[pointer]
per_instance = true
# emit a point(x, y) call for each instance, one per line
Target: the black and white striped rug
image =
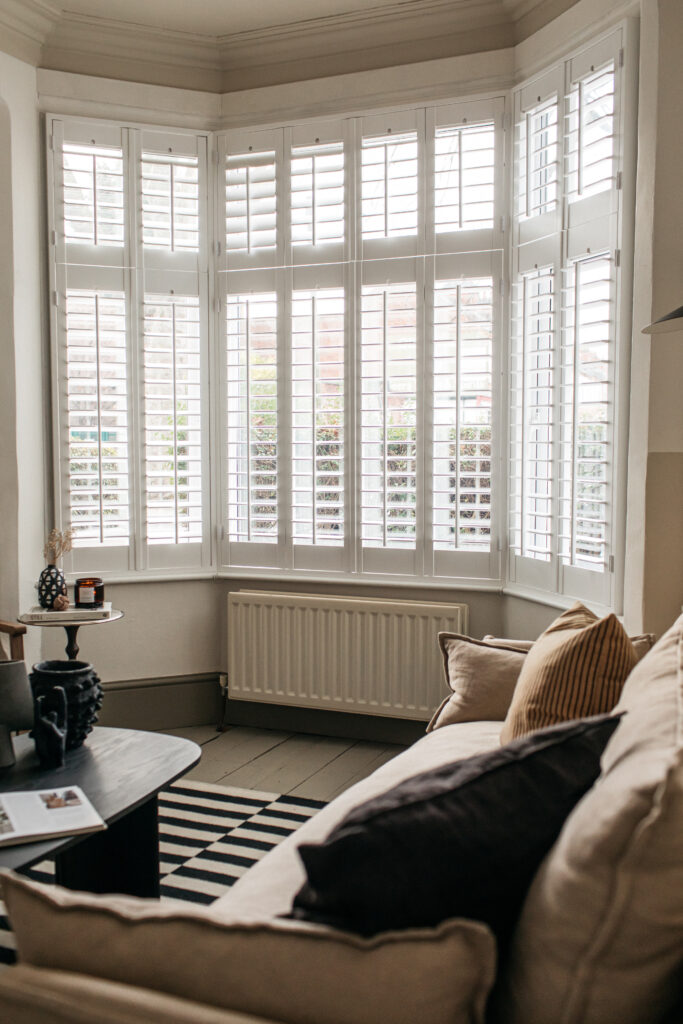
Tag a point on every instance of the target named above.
point(209, 836)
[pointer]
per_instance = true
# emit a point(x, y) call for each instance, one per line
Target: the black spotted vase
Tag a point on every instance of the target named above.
point(51, 584)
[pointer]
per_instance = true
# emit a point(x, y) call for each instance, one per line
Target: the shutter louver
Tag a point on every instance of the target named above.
point(251, 202)
point(389, 179)
point(464, 177)
point(172, 404)
point(537, 159)
point(170, 202)
point(587, 378)
point(317, 194)
point(252, 395)
point(463, 352)
point(389, 416)
point(318, 416)
point(97, 417)
point(93, 194)
point(590, 144)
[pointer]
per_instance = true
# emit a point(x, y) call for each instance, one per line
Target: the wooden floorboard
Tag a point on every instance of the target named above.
point(316, 767)
point(287, 765)
point(356, 762)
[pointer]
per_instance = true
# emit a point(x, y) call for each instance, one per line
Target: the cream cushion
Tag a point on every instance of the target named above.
point(600, 937)
point(281, 970)
point(576, 668)
point(482, 677)
point(642, 643)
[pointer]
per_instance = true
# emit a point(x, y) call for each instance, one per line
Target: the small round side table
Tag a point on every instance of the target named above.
point(73, 627)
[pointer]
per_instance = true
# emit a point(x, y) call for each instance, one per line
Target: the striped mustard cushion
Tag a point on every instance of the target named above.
point(576, 668)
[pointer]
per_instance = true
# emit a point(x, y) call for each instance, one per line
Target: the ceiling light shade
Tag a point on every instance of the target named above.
point(670, 322)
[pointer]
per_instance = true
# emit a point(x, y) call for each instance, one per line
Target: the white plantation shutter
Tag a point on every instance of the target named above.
point(587, 414)
point(96, 418)
point(317, 197)
point(252, 421)
point(462, 402)
point(591, 143)
point(172, 420)
point(170, 201)
point(389, 421)
point(93, 194)
point(389, 182)
point(533, 370)
point(253, 199)
point(539, 159)
point(464, 174)
point(318, 415)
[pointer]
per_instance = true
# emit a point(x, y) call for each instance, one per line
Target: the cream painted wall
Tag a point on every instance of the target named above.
point(24, 345)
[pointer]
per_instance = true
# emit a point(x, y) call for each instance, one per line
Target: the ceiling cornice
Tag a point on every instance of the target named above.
point(24, 26)
point(47, 34)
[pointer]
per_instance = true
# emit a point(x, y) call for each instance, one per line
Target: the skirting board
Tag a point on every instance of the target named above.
point(179, 701)
point(167, 703)
point(373, 728)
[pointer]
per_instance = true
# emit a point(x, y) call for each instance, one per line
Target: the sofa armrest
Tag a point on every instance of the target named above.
point(35, 995)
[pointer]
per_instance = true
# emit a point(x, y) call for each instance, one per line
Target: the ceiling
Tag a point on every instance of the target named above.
point(227, 45)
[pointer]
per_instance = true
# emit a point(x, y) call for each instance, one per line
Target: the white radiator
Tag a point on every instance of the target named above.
point(346, 654)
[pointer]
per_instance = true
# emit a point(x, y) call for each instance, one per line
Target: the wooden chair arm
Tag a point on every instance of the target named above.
point(15, 631)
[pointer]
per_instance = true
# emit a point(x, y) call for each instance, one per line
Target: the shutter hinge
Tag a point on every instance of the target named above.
point(502, 224)
point(619, 179)
point(217, 305)
point(51, 141)
point(611, 563)
point(621, 57)
point(218, 249)
point(507, 121)
point(617, 257)
point(55, 298)
point(53, 237)
point(501, 286)
point(216, 156)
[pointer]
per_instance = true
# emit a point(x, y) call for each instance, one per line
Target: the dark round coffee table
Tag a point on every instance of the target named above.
point(121, 771)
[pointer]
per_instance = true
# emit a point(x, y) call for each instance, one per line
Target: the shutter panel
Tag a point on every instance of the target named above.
point(389, 424)
point(254, 199)
point(97, 417)
point(318, 414)
point(464, 177)
point(252, 423)
point(172, 420)
point(587, 414)
point(462, 402)
point(93, 194)
point(590, 138)
point(538, 159)
point(170, 202)
point(317, 194)
point(389, 182)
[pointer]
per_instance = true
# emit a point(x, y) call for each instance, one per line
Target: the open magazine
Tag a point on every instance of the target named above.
point(46, 814)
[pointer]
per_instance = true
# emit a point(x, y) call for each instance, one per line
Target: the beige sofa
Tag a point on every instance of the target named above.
point(600, 938)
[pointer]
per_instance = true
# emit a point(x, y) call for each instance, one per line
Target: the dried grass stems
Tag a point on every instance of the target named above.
point(56, 545)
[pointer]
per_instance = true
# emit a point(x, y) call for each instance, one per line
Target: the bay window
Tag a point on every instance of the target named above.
point(308, 348)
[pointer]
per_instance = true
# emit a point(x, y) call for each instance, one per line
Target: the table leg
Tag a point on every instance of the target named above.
point(72, 647)
point(123, 859)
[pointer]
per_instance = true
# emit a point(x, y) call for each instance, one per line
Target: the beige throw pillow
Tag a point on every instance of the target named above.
point(283, 970)
point(576, 668)
point(482, 677)
point(600, 938)
point(642, 643)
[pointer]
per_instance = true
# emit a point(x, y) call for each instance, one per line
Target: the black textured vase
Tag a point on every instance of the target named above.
point(83, 695)
point(51, 584)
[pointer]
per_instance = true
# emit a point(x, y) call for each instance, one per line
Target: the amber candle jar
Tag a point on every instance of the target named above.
point(89, 592)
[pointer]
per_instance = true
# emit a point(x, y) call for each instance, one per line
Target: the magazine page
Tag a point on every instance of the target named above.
point(43, 813)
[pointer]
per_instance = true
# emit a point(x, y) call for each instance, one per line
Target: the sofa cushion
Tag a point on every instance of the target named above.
point(35, 995)
point(601, 933)
point(268, 888)
point(642, 643)
point(577, 667)
point(482, 677)
point(462, 840)
point(281, 970)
